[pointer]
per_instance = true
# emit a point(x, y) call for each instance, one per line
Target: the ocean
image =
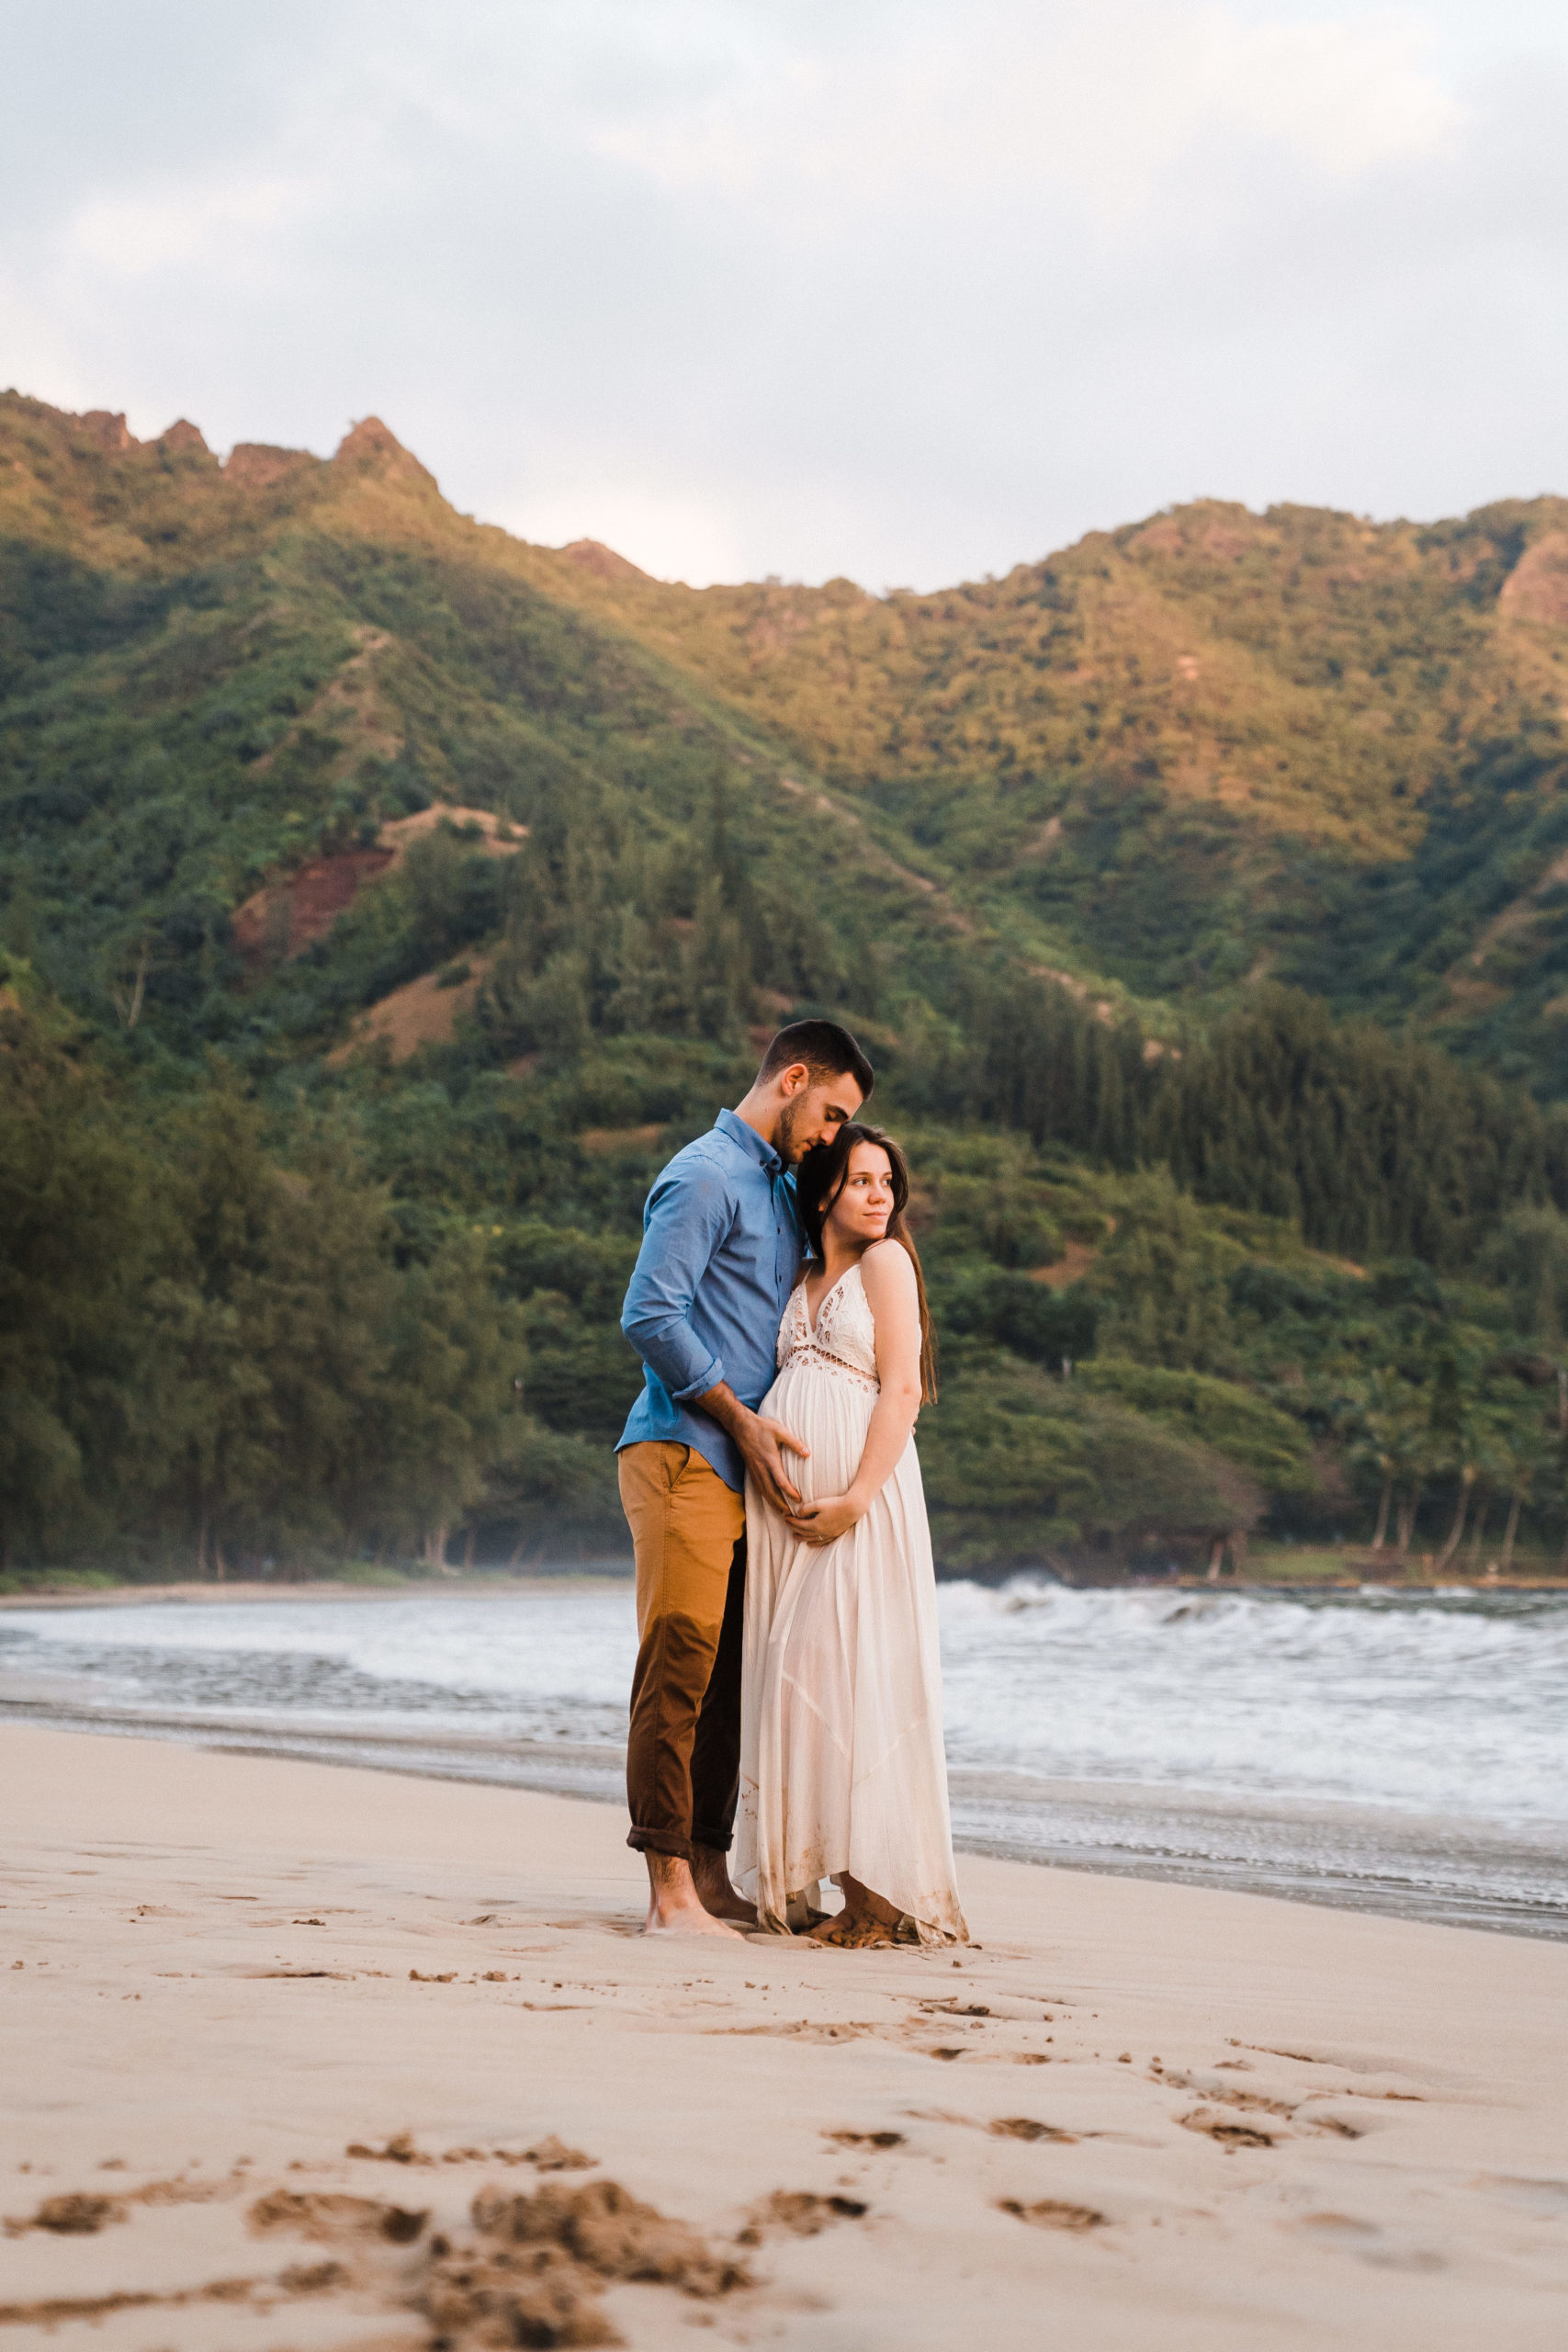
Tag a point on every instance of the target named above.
point(1391, 1752)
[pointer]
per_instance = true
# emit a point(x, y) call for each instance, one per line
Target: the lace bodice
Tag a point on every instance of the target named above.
point(842, 1341)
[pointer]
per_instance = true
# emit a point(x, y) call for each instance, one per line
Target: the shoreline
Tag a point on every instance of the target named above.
point(1189, 1837)
point(492, 1585)
point(279, 2027)
point(1309, 1840)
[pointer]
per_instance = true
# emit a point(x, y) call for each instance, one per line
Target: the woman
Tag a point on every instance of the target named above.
point(841, 1770)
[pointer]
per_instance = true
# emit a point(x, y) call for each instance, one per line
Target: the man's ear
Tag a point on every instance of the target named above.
point(793, 1080)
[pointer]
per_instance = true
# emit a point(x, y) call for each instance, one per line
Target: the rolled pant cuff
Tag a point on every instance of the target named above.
point(718, 1840)
point(660, 1842)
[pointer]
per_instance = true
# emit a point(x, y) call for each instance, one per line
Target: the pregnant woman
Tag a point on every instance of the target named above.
point(842, 1770)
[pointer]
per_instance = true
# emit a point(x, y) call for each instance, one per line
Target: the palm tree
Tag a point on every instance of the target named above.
point(1528, 1450)
point(1390, 1423)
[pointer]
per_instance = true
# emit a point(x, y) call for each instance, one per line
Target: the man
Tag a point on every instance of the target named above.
point(721, 1255)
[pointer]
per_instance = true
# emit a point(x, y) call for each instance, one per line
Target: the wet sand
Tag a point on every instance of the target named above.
point(1139, 2116)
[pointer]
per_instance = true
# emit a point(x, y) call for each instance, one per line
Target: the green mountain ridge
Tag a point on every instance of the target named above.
point(1174, 757)
point(1210, 745)
point(384, 898)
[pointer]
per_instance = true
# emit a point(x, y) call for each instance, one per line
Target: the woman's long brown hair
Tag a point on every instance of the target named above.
point(823, 1173)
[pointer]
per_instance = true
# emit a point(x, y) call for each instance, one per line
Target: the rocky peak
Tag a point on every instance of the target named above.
point(182, 436)
point(371, 447)
point(257, 465)
point(592, 554)
point(109, 431)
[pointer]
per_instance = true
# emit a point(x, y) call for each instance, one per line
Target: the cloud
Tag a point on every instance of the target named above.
point(1102, 96)
point(36, 353)
point(131, 236)
point(909, 289)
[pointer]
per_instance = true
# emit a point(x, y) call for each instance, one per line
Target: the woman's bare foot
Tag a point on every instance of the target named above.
point(674, 1907)
point(710, 1875)
point(860, 1934)
point(865, 1923)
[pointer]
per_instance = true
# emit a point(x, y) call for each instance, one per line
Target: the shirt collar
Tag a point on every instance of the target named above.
point(750, 1141)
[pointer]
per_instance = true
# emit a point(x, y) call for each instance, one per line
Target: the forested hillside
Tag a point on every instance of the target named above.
point(1204, 748)
point(384, 899)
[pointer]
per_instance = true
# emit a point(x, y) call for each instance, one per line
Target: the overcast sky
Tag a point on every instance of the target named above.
point(911, 289)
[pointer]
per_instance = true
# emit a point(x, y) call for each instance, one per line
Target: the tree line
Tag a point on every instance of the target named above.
point(1374, 1146)
point(214, 1347)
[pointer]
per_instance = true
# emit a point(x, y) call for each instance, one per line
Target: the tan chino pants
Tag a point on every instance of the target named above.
point(683, 1748)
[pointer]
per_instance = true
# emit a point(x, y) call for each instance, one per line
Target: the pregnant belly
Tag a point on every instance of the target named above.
point(830, 1415)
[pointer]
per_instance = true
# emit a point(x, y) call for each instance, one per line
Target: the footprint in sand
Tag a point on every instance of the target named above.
point(1052, 2213)
point(73, 2215)
point(534, 2266)
point(1302, 2112)
point(327, 2215)
point(1225, 2129)
point(551, 2155)
point(398, 2150)
point(800, 2211)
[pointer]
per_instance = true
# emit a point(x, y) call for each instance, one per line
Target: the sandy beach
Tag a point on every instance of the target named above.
point(301, 2057)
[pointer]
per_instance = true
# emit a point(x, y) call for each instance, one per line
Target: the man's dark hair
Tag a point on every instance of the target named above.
point(827, 1050)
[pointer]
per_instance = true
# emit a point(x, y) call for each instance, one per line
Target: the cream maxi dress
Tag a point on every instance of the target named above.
point(841, 1763)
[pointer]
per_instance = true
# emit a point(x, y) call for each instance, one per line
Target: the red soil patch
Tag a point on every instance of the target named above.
point(302, 908)
point(293, 910)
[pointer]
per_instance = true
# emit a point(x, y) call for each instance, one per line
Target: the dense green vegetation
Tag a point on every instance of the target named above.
point(1204, 747)
point(328, 1101)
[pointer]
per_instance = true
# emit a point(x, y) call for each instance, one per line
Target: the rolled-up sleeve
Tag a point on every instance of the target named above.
point(688, 1217)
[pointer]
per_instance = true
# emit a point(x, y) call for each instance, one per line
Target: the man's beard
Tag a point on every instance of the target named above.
point(792, 1118)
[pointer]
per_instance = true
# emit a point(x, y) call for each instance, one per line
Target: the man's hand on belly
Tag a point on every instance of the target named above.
point(761, 1442)
point(764, 1460)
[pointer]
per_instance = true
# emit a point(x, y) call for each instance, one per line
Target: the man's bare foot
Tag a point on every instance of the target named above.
point(710, 1875)
point(674, 1907)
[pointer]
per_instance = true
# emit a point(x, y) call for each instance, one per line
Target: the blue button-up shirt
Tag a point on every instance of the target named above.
point(721, 1252)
